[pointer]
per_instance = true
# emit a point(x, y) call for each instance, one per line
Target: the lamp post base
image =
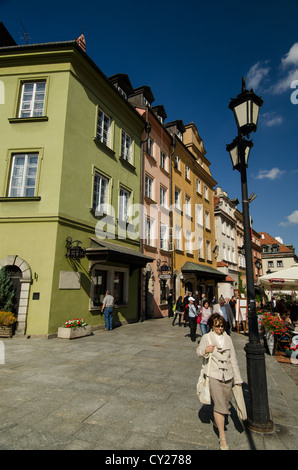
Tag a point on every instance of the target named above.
point(258, 413)
point(261, 428)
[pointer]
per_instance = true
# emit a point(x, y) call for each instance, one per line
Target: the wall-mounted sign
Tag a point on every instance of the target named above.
point(164, 276)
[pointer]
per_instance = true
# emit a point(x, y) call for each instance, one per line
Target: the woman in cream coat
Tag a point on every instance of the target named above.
point(224, 370)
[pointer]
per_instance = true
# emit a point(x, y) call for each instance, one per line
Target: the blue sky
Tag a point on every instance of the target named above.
point(193, 55)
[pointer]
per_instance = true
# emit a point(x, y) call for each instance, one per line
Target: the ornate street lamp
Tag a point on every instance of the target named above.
point(246, 111)
point(75, 252)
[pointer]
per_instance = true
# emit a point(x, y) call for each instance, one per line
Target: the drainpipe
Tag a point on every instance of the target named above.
point(171, 203)
point(147, 130)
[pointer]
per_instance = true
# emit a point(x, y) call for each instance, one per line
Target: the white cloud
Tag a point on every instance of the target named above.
point(284, 84)
point(289, 62)
point(270, 174)
point(256, 74)
point(271, 119)
point(292, 219)
point(291, 58)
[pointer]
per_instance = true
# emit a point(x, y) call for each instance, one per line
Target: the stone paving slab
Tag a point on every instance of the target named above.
point(132, 388)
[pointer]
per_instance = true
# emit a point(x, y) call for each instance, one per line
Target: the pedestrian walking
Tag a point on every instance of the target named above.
point(206, 314)
point(224, 371)
point(107, 309)
point(190, 315)
point(178, 311)
point(170, 305)
point(225, 310)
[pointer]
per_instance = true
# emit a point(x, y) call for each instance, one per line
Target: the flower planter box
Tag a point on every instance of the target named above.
point(71, 333)
point(6, 331)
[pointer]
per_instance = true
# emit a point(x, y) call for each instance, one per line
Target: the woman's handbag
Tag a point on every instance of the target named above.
point(240, 403)
point(203, 390)
point(199, 318)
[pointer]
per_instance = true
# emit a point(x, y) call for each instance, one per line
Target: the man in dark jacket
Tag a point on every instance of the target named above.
point(190, 315)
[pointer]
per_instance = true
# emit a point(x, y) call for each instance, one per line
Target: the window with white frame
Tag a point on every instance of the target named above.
point(100, 193)
point(148, 187)
point(178, 237)
point(200, 247)
point(176, 163)
point(149, 231)
point(164, 237)
point(32, 99)
point(199, 214)
point(163, 197)
point(279, 263)
point(207, 220)
point(103, 131)
point(126, 147)
point(187, 172)
point(124, 197)
point(206, 193)
point(187, 206)
point(198, 186)
point(188, 241)
point(23, 175)
point(177, 199)
point(208, 250)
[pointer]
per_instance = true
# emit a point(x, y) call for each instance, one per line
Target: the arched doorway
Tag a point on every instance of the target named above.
point(15, 275)
point(20, 273)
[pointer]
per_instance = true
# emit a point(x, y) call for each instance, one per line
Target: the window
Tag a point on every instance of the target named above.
point(149, 232)
point(178, 237)
point(100, 193)
point(115, 279)
point(163, 160)
point(99, 287)
point(149, 147)
point(187, 172)
point(187, 207)
point(163, 197)
point(126, 147)
point(206, 193)
point(188, 241)
point(200, 247)
point(119, 287)
point(176, 163)
point(164, 237)
point(270, 264)
point(198, 186)
point(148, 186)
point(199, 214)
point(123, 204)
point(103, 128)
point(208, 249)
point(177, 198)
point(32, 99)
point(23, 175)
point(279, 264)
point(207, 220)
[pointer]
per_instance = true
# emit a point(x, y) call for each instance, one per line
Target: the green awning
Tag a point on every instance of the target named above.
point(202, 271)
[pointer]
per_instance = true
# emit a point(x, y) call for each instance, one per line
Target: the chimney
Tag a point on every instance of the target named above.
point(81, 42)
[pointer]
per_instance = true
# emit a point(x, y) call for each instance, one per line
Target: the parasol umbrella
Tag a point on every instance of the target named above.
point(285, 279)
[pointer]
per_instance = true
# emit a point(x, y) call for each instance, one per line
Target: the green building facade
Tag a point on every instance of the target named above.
point(70, 165)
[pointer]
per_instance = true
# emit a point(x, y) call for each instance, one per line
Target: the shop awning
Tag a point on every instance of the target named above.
point(105, 252)
point(202, 271)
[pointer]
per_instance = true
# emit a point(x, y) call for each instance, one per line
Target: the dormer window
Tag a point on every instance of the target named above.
point(179, 134)
point(122, 92)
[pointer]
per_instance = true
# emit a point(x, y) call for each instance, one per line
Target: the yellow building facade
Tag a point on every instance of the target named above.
point(193, 233)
